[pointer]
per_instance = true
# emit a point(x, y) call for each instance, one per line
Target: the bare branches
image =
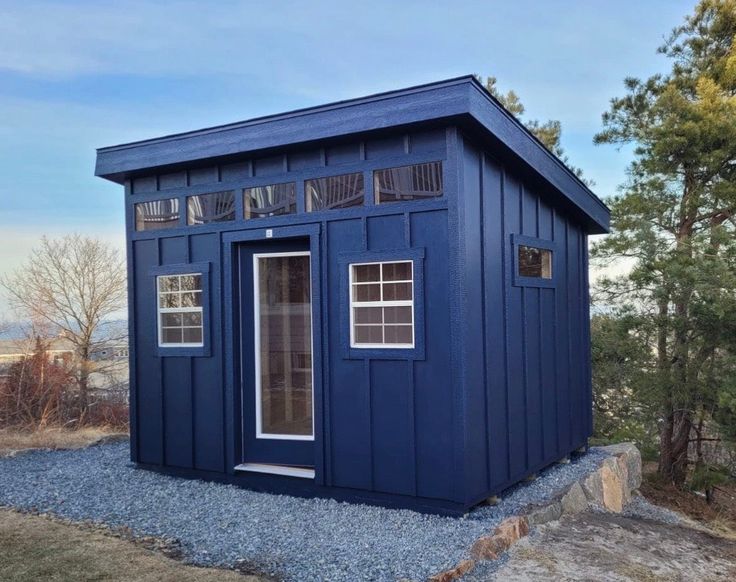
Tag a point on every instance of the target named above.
point(74, 284)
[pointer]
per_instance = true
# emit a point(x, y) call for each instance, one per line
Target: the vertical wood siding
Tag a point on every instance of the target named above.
point(535, 392)
point(503, 387)
point(387, 421)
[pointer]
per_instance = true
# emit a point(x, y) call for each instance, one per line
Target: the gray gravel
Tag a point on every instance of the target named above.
point(640, 508)
point(290, 538)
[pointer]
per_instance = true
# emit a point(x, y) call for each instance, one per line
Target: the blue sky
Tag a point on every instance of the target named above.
point(77, 75)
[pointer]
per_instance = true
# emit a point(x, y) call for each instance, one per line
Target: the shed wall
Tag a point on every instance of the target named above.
point(387, 421)
point(525, 367)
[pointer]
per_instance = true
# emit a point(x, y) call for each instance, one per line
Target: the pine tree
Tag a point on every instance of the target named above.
point(676, 220)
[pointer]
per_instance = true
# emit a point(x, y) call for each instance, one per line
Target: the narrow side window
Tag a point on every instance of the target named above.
point(535, 262)
point(382, 305)
point(180, 314)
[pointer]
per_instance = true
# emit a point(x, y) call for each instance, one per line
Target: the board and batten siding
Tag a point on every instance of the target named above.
point(388, 423)
point(523, 356)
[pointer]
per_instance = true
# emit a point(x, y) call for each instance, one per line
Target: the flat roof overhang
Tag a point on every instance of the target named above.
point(462, 100)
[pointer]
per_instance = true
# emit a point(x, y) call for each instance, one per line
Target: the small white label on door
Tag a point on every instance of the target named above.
point(269, 233)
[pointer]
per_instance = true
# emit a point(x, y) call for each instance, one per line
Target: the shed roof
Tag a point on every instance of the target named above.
point(463, 100)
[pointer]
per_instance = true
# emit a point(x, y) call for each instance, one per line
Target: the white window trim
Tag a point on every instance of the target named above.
point(161, 310)
point(257, 345)
point(402, 303)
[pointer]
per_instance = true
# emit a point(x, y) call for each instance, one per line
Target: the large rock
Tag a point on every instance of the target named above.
point(630, 457)
point(457, 572)
point(506, 534)
point(574, 500)
point(615, 490)
point(544, 513)
point(593, 487)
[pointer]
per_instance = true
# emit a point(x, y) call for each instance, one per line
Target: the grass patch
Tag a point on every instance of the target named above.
point(12, 441)
point(38, 548)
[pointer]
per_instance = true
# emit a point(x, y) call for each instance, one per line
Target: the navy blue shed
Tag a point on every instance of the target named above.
point(381, 300)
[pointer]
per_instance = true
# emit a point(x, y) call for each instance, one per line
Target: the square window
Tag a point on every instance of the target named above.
point(535, 262)
point(382, 305)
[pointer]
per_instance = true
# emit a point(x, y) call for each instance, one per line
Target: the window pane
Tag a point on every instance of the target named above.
point(418, 182)
point(270, 200)
point(215, 207)
point(284, 320)
point(192, 319)
point(191, 282)
point(535, 262)
point(398, 334)
point(397, 272)
point(370, 273)
point(397, 291)
point(334, 192)
point(192, 335)
point(397, 314)
point(368, 315)
point(192, 299)
point(171, 335)
point(366, 292)
point(170, 300)
point(368, 334)
point(168, 283)
point(157, 214)
point(170, 319)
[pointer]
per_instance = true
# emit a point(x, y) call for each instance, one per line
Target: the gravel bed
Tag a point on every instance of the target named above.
point(640, 508)
point(288, 537)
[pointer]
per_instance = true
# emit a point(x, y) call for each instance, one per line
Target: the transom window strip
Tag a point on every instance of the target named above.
point(180, 310)
point(382, 304)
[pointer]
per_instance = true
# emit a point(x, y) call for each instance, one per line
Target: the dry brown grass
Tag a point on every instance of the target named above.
point(38, 548)
point(12, 441)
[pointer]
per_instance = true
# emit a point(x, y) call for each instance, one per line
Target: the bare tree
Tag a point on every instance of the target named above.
point(75, 284)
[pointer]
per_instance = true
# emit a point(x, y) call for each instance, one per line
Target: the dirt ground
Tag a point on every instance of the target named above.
point(13, 441)
point(38, 548)
point(607, 547)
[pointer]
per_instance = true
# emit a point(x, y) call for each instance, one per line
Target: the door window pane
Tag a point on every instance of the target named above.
point(284, 323)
